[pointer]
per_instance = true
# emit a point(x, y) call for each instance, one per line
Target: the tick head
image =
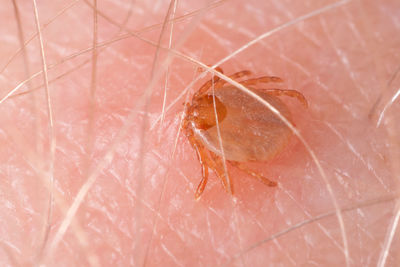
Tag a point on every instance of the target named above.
point(204, 113)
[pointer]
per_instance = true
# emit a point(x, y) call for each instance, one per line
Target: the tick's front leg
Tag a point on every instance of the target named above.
point(203, 158)
point(204, 162)
point(291, 93)
point(203, 182)
point(234, 76)
point(264, 79)
point(222, 173)
point(253, 174)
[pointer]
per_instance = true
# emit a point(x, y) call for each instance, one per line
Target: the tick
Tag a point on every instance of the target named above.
point(247, 129)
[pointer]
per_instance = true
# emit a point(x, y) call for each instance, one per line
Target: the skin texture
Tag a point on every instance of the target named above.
point(123, 184)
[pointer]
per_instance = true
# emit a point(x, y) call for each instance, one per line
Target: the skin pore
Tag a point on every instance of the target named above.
point(91, 138)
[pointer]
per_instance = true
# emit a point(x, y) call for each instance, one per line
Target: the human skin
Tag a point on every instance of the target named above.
point(132, 180)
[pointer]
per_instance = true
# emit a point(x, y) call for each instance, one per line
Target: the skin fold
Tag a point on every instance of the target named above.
point(123, 182)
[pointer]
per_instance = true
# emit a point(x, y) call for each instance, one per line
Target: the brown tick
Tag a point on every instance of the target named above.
point(248, 130)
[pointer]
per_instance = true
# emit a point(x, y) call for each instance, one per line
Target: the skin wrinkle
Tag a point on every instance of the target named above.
point(292, 261)
point(159, 216)
point(32, 161)
point(316, 218)
point(181, 173)
point(256, 205)
point(169, 253)
point(28, 40)
point(323, 229)
point(342, 56)
point(357, 155)
point(336, 97)
point(290, 16)
point(377, 112)
point(131, 34)
point(343, 59)
point(92, 177)
point(116, 39)
point(92, 258)
point(309, 74)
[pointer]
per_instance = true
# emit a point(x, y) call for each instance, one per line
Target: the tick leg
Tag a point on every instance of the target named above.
point(264, 79)
point(205, 162)
point(219, 69)
point(218, 83)
point(259, 177)
point(291, 93)
point(205, 87)
point(202, 156)
point(221, 173)
point(239, 74)
point(234, 76)
point(216, 164)
point(203, 182)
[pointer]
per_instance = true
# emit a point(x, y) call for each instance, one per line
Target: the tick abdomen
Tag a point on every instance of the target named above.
point(250, 131)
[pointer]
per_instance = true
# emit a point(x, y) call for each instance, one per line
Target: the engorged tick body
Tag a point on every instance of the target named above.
point(248, 130)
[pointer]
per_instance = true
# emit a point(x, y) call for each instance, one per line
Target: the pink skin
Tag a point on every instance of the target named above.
point(140, 209)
